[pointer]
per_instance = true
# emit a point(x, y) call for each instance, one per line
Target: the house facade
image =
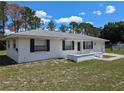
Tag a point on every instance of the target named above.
point(38, 45)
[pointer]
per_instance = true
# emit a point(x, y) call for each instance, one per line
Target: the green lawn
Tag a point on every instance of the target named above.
point(61, 74)
point(2, 53)
point(4, 60)
point(106, 56)
point(115, 51)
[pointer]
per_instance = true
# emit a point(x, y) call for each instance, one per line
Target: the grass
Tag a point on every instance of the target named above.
point(4, 60)
point(2, 53)
point(61, 74)
point(115, 51)
point(106, 56)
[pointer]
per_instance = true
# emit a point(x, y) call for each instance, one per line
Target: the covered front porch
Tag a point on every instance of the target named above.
point(84, 49)
point(84, 57)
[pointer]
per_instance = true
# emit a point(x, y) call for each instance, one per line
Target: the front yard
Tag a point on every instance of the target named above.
point(108, 50)
point(61, 74)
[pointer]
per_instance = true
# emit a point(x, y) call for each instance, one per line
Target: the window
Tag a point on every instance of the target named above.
point(39, 45)
point(68, 45)
point(14, 43)
point(88, 45)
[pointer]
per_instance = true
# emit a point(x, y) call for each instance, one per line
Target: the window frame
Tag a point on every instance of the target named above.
point(86, 46)
point(40, 46)
point(68, 47)
point(34, 46)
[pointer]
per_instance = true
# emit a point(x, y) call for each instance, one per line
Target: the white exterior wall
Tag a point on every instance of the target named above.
point(98, 46)
point(81, 57)
point(11, 52)
point(56, 51)
point(64, 53)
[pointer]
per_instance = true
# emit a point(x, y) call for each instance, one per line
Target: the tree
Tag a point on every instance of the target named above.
point(14, 12)
point(35, 22)
point(73, 26)
point(51, 26)
point(19, 17)
point(82, 27)
point(113, 31)
point(3, 16)
point(22, 17)
point(96, 32)
point(30, 20)
point(87, 28)
point(26, 15)
point(63, 28)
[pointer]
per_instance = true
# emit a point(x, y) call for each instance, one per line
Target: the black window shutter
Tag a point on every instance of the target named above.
point(63, 44)
point(32, 45)
point(78, 46)
point(83, 45)
point(48, 45)
point(92, 45)
point(72, 45)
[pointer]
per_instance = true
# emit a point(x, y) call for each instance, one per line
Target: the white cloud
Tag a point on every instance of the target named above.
point(82, 13)
point(56, 29)
point(45, 18)
point(97, 12)
point(89, 22)
point(70, 19)
point(110, 9)
point(40, 13)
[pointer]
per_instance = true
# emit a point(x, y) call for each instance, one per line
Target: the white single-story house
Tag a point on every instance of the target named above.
point(38, 45)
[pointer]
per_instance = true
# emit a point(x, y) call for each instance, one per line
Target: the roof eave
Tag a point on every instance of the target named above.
point(33, 36)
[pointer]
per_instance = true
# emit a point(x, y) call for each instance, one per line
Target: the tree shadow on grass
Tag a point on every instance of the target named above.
point(4, 61)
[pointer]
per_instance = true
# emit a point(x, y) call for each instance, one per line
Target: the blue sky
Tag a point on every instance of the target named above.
point(62, 12)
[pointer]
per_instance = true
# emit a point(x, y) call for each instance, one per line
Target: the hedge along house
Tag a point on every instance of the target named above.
point(38, 45)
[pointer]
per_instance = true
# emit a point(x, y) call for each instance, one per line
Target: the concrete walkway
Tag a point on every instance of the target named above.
point(114, 57)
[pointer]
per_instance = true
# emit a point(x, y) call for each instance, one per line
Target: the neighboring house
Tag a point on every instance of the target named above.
point(38, 45)
point(118, 46)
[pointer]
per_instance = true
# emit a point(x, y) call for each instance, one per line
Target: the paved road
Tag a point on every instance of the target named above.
point(114, 57)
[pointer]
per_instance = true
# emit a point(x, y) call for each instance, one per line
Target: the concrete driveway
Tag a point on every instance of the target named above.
point(114, 57)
